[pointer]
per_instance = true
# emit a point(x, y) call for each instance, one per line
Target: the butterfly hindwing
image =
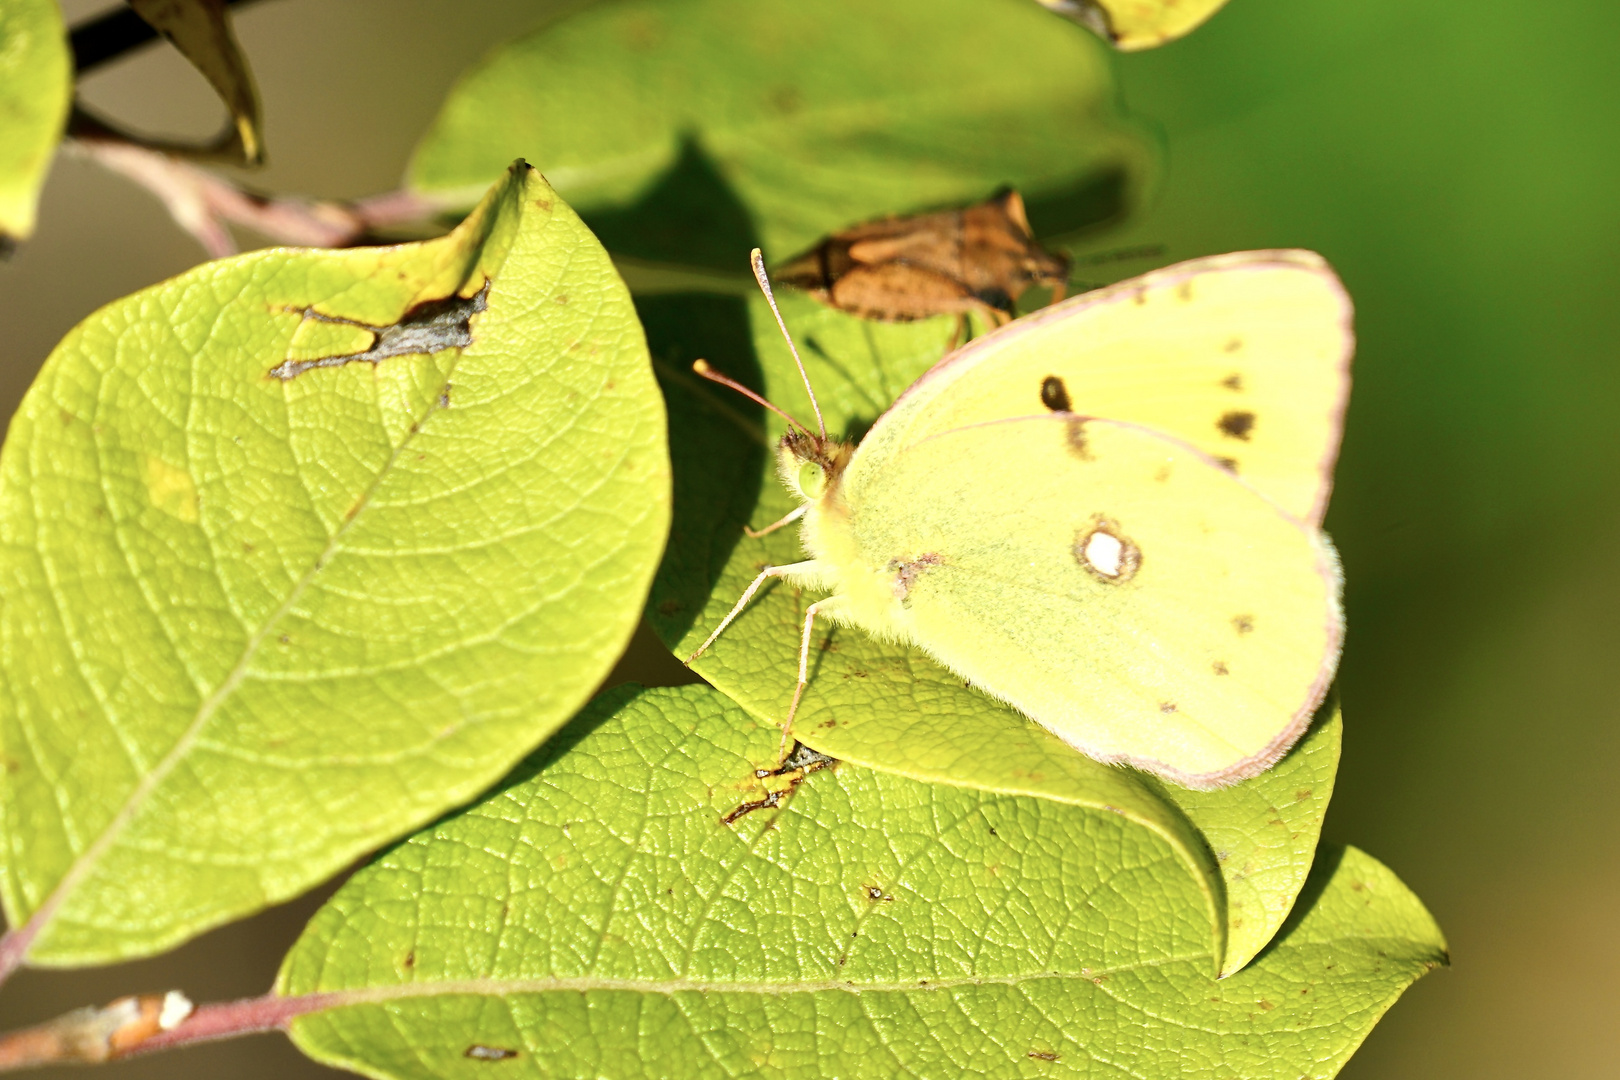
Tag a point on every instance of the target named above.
point(1113, 584)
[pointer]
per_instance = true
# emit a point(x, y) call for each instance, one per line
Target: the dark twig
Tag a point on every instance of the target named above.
point(112, 34)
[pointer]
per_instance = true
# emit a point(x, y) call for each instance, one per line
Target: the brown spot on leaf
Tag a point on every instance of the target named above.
point(1043, 1055)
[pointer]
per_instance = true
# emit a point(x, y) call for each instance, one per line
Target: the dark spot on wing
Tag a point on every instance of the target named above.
point(480, 1052)
point(1054, 395)
point(1220, 668)
point(1076, 437)
point(1236, 425)
point(1233, 381)
point(1141, 296)
point(1167, 706)
point(1184, 291)
point(1243, 624)
point(429, 327)
point(1233, 345)
point(1228, 463)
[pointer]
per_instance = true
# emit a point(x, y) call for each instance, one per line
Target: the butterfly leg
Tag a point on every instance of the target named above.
point(773, 526)
point(748, 594)
point(810, 614)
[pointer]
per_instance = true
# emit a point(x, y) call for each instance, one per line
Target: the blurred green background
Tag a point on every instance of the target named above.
point(1459, 163)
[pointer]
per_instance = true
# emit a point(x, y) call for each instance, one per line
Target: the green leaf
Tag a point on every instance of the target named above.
point(597, 918)
point(256, 626)
point(36, 84)
point(887, 706)
point(814, 116)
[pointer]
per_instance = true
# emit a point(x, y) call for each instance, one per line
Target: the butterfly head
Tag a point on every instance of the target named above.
point(809, 465)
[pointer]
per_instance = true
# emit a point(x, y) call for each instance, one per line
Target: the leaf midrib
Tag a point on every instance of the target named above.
point(498, 987)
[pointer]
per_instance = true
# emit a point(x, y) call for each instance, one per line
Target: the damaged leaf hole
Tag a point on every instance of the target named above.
point(429, 327)
point(480, 1052)
point(800, 762)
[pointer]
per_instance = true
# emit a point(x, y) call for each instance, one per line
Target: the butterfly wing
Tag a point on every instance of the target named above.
point(1138, 24)
point(1245, 356)
point(1113, 584)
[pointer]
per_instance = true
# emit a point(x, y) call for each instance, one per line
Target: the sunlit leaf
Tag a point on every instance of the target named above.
point(36, 83)
point(267, 608)
point(813, 116)
point(598, 918)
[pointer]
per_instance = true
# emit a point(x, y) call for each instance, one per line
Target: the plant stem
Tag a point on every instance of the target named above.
point(203, 203)
point(144, 1024)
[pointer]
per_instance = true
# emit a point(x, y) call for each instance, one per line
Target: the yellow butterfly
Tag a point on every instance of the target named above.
point(1105, 514)
point(1138, 24)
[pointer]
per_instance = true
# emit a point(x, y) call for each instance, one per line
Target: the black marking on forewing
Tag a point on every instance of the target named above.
point(1238, 424)
point(1054, 395)
point(429, 327)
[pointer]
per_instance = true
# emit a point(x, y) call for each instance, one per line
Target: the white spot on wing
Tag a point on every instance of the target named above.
point(1106, 553)
point(1103, 552)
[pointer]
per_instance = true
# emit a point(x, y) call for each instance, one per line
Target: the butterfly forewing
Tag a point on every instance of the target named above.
point(1245, 356)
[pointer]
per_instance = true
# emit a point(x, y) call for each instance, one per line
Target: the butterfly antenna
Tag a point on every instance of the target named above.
point(758, 261)
point(702, 368)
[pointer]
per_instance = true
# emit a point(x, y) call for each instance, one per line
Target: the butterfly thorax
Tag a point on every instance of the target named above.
point(812, 468)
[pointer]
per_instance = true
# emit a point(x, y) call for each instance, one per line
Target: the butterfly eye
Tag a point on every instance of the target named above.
point(812, 480)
